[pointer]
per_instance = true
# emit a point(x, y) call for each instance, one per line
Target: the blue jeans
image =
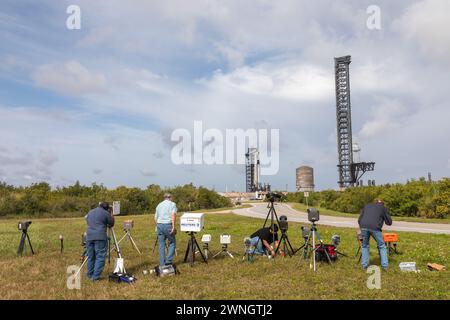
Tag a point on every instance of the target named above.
point(365, 249)
point(257, 243)
point(163, 230)
point(96, 252)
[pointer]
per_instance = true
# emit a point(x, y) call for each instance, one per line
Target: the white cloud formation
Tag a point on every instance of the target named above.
point(296, 81)
point(69, 78)
point(427, 23)
point(133, 80)
point(386, 117)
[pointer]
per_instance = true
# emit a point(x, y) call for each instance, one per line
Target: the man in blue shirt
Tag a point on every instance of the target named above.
point(165, 217)
point(98, 220)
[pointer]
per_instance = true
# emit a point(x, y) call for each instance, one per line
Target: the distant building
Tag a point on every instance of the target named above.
point(304, 178)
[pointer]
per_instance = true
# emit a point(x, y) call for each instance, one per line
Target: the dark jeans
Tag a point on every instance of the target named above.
point(96, 251)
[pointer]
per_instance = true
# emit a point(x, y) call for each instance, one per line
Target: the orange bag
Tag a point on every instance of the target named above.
point(390, 237)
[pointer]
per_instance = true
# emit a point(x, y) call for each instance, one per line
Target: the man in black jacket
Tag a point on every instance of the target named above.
point(370, 221)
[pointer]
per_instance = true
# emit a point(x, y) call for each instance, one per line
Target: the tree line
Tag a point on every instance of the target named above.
point(415, 198)
point(39, 199)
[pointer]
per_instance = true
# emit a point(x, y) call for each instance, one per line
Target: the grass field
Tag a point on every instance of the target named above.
point(328, 212)
point(43, 276)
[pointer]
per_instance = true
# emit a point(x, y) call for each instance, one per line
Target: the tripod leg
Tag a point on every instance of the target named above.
point(133, 243)
point(290, 249)
point(81, 267)
point(22, 244)
point(192, 251)
point(301, 247)
point(126, 233)
point(201, 253)
point(187, 251)
point(29, 242)
point(357, 252)
point(307, 245)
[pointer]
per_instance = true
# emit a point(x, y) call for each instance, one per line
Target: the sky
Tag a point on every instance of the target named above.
point(99, 103)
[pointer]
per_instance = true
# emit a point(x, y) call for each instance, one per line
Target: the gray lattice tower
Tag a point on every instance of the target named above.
point(344, 121)
point(249, 171)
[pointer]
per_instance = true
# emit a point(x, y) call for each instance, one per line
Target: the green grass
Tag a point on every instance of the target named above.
point(43, 276)
point(328, 212)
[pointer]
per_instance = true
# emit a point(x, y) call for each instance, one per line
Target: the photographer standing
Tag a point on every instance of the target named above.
point(370, 221)
point(98, 220)
point(165, 217)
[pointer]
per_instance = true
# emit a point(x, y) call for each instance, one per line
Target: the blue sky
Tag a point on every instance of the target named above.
point(99, 104)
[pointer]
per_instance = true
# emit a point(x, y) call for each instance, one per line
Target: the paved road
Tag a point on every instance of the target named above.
point(260, 211)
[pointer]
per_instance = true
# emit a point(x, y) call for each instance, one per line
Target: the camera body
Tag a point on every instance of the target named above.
point(128, 225)
point(335, 240)
point(192, 222)
point(206, 238)
point(272, 196)
point(305, 232)
point(225, 239)
point(283, 223)
point(313, 214)
point(23, 225)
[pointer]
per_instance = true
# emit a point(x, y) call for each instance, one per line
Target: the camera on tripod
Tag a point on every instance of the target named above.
point(128, 225)
point(23, 225)
point(305, 232)
point(283, 223)
point(313, 214)
point(272, 196)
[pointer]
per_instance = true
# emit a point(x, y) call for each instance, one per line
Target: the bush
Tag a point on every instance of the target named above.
point(414, 198)
point(39, 199)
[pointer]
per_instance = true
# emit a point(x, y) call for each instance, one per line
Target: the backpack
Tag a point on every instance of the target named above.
point(323, 249)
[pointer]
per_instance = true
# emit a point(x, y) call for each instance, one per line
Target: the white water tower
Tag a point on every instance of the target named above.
point(356, 153)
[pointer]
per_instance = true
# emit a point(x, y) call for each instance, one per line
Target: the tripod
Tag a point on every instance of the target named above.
point(22, 243)
point(206, 250)
point(133, 243)
point(192, 248)
point(119, 268)
point(273, 214)
point(84, 256)
point(287, 247)
point(309, 248)
point(224, 251)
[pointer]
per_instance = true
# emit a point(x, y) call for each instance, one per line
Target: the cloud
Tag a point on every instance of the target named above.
point(69, 78)
point(426, 22)
point(291, 80)
point(386, 116)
